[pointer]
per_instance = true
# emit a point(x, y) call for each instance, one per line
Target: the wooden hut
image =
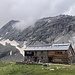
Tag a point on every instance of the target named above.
point(55, 53)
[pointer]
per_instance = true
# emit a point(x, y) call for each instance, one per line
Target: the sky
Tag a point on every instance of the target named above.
point(29, 11)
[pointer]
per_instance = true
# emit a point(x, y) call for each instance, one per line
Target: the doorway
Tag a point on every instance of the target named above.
point(50, 59)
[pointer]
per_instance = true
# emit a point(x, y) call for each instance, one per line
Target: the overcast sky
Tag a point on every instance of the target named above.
point(28, 11)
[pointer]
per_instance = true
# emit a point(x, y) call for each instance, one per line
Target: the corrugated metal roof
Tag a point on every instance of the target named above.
point(48, 47)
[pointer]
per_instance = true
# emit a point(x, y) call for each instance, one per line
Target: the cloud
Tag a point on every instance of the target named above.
point(29, 11)
point(71, 10)
point(20, 25)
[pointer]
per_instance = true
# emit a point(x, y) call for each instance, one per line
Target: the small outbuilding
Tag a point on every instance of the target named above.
point(55, 53)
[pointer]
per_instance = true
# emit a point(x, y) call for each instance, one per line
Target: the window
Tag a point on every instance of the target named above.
point(28, 52)
point(59, 52)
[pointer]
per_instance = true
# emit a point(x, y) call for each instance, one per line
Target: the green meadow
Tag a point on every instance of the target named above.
point(24, 69)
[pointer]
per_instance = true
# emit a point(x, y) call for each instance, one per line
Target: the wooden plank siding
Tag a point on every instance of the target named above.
point(58, 56)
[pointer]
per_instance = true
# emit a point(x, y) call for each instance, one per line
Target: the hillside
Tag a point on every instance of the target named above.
point(58, 29)
point(10, 53)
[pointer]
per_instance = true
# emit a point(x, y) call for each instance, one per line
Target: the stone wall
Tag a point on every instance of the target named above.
point(39, 56)
point(42, 56)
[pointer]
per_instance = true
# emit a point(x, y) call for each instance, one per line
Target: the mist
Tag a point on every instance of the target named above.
point(29, 11)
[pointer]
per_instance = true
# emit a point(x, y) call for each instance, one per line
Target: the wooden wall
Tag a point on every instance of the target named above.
point(57, 56)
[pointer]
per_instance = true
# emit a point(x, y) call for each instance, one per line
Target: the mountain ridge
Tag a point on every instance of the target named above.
point(44, 31)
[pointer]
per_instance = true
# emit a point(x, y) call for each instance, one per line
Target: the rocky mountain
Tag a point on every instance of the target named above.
point(58, 29)
point(9, 31)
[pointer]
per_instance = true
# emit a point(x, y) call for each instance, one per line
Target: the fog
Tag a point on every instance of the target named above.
point(29, 11)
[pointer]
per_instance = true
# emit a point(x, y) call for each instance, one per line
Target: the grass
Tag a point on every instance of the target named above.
point(23, 69)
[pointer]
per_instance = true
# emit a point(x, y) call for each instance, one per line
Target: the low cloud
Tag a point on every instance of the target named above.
point(21, 25)
point(29, 11)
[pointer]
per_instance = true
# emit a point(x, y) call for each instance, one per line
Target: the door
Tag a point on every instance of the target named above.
point(50, 59)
